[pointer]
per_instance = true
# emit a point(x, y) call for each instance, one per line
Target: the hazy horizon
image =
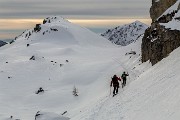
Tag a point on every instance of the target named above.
point(96, 15)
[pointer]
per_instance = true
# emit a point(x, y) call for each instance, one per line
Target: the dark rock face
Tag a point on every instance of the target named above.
point(159, 41)
point(168, 17)
point(159, 7)
point(37, 28)
point(2, 43)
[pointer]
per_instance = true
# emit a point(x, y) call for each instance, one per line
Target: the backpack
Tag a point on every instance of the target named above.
point(123, 76)
point(114, 80)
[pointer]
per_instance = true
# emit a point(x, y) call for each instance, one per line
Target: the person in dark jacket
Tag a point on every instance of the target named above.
point(115, 84)
point(124, 77)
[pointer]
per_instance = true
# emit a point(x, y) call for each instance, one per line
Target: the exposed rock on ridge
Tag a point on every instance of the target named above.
point(159, 7)
point(161, 38)
point(2, 43)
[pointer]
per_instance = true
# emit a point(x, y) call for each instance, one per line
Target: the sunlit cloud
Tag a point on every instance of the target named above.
point(68, 8)
point(11, 28)
point(7, 35)
point(16, 24)
point(98, 23)
point(19, 15)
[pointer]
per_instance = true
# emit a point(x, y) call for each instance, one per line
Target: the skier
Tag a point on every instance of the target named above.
point(115, 83)
point(123, 76)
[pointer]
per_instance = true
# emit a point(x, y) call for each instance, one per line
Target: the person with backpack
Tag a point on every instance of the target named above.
point(124, 77)
point(115, 84)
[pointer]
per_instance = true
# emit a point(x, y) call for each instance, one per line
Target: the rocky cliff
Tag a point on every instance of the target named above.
point(159, 7)
point(163, 36)
point(2, 43)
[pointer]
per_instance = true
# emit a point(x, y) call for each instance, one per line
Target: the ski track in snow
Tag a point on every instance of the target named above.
point(149, 96)
point(99, 112)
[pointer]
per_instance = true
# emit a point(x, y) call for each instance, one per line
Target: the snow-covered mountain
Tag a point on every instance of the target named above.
point(126, 34)
point(61, 31)
point(56, 56)
point(59, 56)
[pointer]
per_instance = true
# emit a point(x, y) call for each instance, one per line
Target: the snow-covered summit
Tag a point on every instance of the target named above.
point(126, 34)
point(54, 56)
point(62, 32)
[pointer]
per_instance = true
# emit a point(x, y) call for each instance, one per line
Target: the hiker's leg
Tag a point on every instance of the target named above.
point(117, 89)
point(114, 90)
point(124, 82)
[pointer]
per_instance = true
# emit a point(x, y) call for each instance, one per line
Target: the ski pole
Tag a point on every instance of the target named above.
point(122, 85)
point(110, 91)
point(110, 88)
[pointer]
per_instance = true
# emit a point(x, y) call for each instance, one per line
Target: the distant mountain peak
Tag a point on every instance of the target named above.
point(126, 34)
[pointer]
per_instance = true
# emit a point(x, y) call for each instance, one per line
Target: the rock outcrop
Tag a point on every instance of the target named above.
point(2, 43)
point(159, 7)
point(163, 36)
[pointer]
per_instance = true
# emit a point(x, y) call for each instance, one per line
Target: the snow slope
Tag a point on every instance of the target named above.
point(66, 55)
point(126, 34)
point(74, 56)
point(153, 95)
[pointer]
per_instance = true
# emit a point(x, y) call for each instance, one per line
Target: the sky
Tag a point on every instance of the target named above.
point(97, 15)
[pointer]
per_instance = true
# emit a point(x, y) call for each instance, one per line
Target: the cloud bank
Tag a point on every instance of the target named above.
point(74, 8)
point(18, 15)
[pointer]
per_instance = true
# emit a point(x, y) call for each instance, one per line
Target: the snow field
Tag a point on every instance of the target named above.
point(152, 92)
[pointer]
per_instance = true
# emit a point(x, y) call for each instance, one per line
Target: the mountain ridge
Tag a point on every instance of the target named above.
point(125, 34)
